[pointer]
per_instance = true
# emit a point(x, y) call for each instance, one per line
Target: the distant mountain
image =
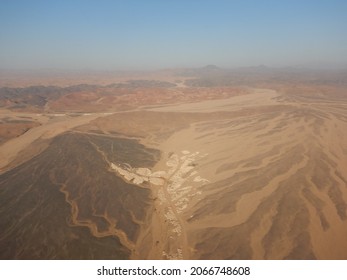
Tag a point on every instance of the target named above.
point(212, 75)
point(206, 70)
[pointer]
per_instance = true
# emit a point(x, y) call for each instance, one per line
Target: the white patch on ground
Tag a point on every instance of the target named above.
point(184, 181)
point(199, 179)
point(175, 256)
point(179, 184)
point(139, 175)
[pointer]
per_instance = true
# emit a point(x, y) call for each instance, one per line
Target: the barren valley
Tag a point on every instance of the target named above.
point(186, 165)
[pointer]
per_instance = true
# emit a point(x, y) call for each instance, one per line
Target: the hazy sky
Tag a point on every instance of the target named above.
point(139, 34)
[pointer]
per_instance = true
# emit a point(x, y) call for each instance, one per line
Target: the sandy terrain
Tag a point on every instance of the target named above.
point(277, 182)
point(66, 202)
point(257, 97)
point(50, 127)
point(243, 174)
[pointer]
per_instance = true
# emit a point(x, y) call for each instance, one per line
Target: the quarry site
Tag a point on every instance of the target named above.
point(201, 163)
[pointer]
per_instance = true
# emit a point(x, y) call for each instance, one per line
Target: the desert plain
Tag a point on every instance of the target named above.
point(187, 164)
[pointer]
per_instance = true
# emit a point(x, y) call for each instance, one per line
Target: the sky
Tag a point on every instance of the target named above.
point(155, 34)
